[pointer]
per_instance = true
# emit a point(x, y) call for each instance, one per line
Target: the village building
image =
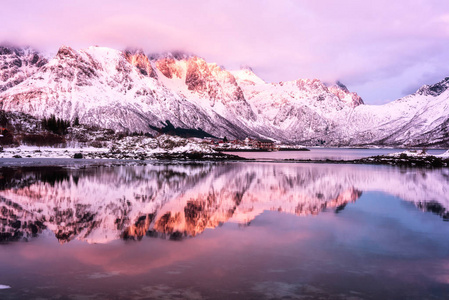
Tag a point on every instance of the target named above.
point(266, 145)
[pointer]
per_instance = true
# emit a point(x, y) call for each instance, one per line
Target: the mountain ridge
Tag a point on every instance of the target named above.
point(131, 91)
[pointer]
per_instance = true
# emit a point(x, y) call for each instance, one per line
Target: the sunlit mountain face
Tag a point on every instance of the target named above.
point(102, 204)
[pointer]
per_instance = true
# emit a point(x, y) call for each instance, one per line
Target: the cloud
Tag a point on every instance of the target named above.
point(353, 41)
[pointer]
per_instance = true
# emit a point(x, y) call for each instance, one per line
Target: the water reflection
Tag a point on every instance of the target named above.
point(101, 204)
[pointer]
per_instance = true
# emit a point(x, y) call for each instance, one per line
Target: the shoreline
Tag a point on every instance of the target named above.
point(142, 154)
point(427, 161)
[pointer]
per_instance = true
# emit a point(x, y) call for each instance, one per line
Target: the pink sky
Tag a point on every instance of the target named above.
point(382, 49)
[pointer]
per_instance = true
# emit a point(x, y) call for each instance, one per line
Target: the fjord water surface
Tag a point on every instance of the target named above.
point(224, 231)
point(316, 153)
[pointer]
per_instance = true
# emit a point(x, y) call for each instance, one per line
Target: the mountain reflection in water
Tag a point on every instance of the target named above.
point(101, 204)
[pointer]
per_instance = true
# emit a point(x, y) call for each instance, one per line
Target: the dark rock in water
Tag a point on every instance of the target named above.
point(293, 149)
point(195, 155)
point(340, 208)
point(176, 236)
point(406, 161)
point(403, 160)
point(17, 156)
point(78, 155)
point(16, 224)
point(434, 207)
point(152, 233)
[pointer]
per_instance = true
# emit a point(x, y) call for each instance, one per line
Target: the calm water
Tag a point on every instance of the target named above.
point(224, 231)
point(324, 153)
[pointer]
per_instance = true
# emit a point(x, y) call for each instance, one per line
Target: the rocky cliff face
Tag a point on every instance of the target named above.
point(342, 92)
point(17, 64)
point(128, 90)
point(138, 59)
point(208, 85)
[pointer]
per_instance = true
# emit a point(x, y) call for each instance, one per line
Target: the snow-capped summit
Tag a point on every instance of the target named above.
point(207, 85)
point(138, 59)
point(342, 92)
point(246, 76)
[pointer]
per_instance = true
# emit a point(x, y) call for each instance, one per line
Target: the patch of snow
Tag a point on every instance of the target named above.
point(413, 153)
point(445, 154)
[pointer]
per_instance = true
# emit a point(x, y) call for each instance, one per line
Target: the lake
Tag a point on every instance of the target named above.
point(316, 153)
point(236, 230)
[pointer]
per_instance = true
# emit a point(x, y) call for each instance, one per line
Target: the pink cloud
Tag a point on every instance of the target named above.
point(360, 43)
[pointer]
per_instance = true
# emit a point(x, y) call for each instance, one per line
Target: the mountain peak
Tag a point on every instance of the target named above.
point(342, 86)
point(66, 52)
point(134, 51)
point(434, 89)
point(246, 67)
point(7, 50)
point(137, 58)
point(246, 75)
point(342, 92)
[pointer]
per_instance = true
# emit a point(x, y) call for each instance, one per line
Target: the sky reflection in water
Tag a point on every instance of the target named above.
point(242, 231)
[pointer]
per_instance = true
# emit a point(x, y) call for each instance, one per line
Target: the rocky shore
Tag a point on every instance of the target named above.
point(403, 159)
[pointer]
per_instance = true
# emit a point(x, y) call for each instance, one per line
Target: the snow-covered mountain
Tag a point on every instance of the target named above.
point(112, 89)
point(98, 205)
point(128, 90)
point(420, 119)
point(302, 111)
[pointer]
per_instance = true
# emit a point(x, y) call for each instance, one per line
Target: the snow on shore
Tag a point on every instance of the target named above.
point(48, 152)
point(418, 153)
point(132, 147)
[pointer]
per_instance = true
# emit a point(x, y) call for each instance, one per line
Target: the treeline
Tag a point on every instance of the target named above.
point(170, 129)
point(46, 139)
point(55, 125)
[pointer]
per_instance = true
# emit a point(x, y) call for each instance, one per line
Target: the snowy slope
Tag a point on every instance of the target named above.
point(300, 111)
point(309, 112)
point(420, 119)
